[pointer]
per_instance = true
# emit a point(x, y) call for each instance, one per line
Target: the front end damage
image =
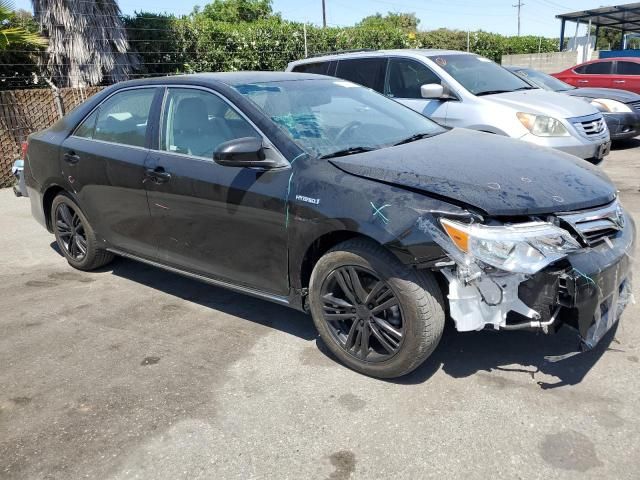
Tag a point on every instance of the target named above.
point(587, 288)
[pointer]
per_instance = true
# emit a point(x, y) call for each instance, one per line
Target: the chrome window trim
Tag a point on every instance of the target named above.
point(106, 142)
point(265, 139)
point(73, 134)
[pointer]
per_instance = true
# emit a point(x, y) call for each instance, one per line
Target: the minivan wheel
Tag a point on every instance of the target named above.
point(74, 235)
point(376, 315)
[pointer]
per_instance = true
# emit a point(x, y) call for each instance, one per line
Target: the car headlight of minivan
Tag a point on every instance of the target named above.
point(611, 106)
point(542, 126)
point(519, 248)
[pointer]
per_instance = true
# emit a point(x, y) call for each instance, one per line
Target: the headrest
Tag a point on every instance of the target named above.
point(191, 115)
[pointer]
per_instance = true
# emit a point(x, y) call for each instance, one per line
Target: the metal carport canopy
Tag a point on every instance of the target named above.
point(621, 17)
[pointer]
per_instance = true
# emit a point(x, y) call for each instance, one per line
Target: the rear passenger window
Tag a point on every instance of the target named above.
point(628, 68)
point(320, 68)
point(123, 117)
point(87, 128)
point(368, 72)
point(407, 76)
point(598, 68)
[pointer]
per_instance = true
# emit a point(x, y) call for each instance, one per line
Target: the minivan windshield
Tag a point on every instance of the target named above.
point(330, 117)
point(543, 80)
point(480, 75)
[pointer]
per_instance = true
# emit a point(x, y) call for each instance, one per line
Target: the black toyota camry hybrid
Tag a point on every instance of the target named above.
point(325, 196)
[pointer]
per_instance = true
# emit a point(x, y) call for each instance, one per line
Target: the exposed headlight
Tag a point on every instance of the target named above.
point(520, 248)
point(612, 106)
point(542, 126)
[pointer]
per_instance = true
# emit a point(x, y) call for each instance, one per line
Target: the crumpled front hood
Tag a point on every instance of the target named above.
point(498, 175)
point(613, 93)
point(543, 102)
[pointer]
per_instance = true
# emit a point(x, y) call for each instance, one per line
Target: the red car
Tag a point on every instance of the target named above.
point(622, 72)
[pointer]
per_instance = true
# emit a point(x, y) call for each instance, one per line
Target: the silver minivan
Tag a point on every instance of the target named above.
point(459, 89)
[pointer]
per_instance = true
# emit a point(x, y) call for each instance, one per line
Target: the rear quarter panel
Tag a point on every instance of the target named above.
point(42, 167)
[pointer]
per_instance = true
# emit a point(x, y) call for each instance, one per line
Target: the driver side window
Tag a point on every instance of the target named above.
point(195, 122)
point(407, 76)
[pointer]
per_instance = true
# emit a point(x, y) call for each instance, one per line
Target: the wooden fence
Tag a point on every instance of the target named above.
point(25, 111)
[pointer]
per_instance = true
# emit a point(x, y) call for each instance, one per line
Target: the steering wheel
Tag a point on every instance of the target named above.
point(347, 129)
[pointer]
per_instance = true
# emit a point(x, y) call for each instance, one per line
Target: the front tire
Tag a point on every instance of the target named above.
point(376, 315)
point(74, 235)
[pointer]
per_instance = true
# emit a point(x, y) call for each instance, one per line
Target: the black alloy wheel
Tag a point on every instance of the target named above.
point(71, 232)
point(362, 313)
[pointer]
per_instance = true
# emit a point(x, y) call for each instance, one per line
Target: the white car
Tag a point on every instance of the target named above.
point(459, 89)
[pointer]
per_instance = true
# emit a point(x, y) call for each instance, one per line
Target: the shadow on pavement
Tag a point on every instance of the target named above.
point(458, 354)
point(463, 354)
point(226, 301)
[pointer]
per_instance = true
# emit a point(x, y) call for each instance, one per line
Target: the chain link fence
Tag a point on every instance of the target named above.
point(26, 111)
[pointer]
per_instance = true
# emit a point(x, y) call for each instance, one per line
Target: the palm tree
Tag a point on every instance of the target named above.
point(12, 34)
point(87, 42)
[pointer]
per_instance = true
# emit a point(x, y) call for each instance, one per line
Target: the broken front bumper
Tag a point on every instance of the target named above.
point(588, 290)
point(592, 286)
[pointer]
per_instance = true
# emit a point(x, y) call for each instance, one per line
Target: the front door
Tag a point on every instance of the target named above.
point(103, 160)
point(404, 79)
point(223, 222)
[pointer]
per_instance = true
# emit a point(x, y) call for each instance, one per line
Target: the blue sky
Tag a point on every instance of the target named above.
point(538, 16)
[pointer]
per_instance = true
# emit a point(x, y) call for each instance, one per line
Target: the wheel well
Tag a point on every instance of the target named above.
point(321, 246)
point(47, 201)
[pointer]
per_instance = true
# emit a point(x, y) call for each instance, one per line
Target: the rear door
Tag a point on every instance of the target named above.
point(405, 76)
point(222, 222)
point(596, 74)
point(103, 161)
point(627, 76)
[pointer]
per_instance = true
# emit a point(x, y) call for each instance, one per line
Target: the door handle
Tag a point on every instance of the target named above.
point(71, 158)
point(583, 81)
point(619, 81)
point(158, 175)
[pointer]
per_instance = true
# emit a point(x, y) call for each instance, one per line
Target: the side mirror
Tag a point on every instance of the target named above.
point(242, 152)
point(432, 90)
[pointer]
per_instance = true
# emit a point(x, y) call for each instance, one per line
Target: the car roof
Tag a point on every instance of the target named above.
point(425, 52)
point(610, 59)
point(228, 78)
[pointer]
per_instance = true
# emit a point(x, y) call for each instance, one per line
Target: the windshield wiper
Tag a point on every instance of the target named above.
point(413, 138)
point(348, 151)
point(493, 92)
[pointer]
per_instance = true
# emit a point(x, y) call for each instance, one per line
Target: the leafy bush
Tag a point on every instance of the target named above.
point(197, 43)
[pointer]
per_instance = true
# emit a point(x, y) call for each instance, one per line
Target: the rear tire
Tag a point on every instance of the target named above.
point(360, 290)
point(74, 235)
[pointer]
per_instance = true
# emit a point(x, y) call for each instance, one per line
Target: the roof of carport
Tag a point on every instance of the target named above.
point(622, 17)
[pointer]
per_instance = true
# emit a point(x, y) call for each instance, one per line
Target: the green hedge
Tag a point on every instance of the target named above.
point(193, 44)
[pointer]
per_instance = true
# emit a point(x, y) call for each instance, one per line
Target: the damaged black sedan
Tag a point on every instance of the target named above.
point(327, 197)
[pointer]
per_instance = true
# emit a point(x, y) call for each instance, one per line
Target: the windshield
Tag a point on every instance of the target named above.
point(328, 116)
point(480, 75)
point(543, 80)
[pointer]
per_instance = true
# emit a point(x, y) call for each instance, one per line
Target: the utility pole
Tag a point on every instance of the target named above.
point(324, 15)
point(519, 6)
